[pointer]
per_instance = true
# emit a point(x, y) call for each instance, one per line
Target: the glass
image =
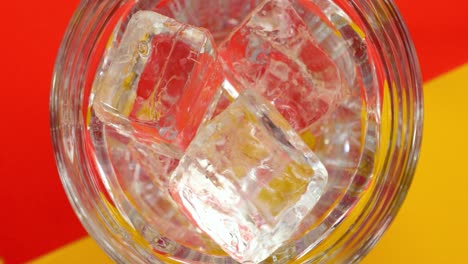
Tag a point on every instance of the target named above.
point(360, 115)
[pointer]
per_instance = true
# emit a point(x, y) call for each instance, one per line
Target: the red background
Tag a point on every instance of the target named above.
point(35, 215)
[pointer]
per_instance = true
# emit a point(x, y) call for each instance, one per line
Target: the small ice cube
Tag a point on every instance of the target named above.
point(218, 16)
point(247, 179)
point(338, 141)
point(141, 173)
point(273, 53)
point(161, 79)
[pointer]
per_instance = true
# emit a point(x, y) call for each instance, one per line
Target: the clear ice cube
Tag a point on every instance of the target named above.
point(141, 173)
point(161, 80)
point(247, 179)
point(338, 142)
point(218, 16)
point(273, 53)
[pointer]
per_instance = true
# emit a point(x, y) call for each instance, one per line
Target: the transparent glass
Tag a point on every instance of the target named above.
point(368, 138)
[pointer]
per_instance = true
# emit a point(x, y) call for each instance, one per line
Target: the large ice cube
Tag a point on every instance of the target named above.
point(161, 79)
point(247, 179)
point(274, 53)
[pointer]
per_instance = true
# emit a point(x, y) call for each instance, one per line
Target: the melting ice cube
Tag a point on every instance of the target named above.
point(273, 53)
point(247, 179)
point(162, 78)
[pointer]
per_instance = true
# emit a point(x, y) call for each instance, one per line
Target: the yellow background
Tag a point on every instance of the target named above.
point(432, 226)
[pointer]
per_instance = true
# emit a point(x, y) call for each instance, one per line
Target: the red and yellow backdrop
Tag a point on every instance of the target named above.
point(37, 223)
